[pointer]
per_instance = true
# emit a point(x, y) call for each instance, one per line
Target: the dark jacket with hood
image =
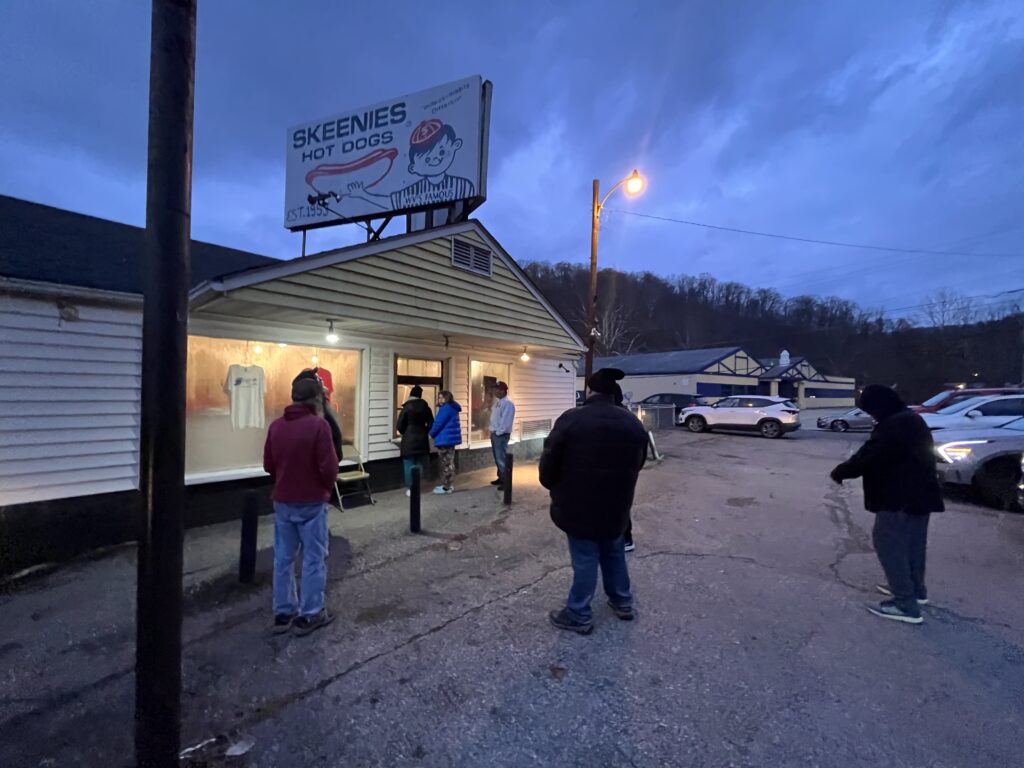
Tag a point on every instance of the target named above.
point(590, 464)
point(414, 424)
point(328, 412)
point(898, 460)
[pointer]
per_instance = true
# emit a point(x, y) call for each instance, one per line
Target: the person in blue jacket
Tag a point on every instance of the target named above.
point(447, 433)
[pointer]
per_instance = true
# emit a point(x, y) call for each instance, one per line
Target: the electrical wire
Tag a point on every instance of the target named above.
point(795, 238)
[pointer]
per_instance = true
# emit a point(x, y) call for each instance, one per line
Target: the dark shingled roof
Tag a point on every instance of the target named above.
point(38, 242)
point(679, 361)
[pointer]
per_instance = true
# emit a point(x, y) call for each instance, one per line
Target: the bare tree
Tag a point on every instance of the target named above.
point(946, 307)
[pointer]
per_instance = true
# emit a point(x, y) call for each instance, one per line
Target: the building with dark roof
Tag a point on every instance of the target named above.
point(444, 308)
point(723, 371)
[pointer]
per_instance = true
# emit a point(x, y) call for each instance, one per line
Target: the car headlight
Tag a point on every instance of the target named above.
point(951, 453)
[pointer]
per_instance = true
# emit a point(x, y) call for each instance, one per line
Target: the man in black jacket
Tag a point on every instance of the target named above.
point(902, 489)
point(414, 423)
point(590, 464)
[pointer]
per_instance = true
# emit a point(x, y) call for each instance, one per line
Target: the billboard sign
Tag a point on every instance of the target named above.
point(425, 150)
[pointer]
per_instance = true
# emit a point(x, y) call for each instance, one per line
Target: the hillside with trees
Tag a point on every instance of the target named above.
point(948, 339)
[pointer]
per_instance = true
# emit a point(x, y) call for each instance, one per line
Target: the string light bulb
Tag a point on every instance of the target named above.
point(524, 357)
point(332, 337)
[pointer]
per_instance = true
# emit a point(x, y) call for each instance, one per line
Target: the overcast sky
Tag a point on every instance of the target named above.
point(899, 124)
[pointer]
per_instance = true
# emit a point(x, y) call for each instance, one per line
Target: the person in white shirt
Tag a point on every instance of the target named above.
point(503, 413)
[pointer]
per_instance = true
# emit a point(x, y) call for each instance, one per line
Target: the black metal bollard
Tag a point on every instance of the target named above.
point(414, 500)
point(508, 479)
point(247, 544)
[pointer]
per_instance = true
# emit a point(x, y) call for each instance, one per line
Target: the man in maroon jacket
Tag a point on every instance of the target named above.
point(300, 458)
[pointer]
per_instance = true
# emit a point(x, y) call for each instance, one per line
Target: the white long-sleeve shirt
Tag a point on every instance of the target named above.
point(503, 413)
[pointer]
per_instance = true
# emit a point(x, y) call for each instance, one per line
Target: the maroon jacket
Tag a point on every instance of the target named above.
point(300, 457)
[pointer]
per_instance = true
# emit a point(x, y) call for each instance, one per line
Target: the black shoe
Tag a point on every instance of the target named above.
point(306, 624)
point(496, 482)
point(887, 609)
point(884, 589)
point(624, 613)
point(283, 622)
point(563, 620)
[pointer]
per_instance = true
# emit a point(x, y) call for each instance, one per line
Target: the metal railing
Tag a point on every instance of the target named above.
point(655, 416)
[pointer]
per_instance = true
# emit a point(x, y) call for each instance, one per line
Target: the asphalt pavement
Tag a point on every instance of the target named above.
point(752, 646)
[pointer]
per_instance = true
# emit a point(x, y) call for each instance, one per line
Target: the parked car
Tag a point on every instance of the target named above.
point(855, 419)
point(950, 397)
point(989, 459)
point(771, 416)
point(980, 412)
point(680, 401)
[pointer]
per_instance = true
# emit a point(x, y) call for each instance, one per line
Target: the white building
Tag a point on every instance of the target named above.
point(446, 308)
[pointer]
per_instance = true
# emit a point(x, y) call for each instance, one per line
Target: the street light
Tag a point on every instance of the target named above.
point(634, 184)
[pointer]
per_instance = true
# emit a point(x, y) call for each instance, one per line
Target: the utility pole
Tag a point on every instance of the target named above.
point(595, 220)
point(164, 346)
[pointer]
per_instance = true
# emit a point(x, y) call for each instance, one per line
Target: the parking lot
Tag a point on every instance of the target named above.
point(752, 648)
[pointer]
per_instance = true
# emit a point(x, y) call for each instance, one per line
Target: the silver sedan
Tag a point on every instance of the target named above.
point(855, 419)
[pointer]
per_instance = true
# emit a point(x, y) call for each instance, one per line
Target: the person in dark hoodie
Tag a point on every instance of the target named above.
point(590, 464)
point(447, 434)
point(414, 423)
point(328, 413)
point(897, 464)
point(300, 459)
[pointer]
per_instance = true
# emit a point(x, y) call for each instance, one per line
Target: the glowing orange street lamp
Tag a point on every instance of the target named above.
point(634, 184)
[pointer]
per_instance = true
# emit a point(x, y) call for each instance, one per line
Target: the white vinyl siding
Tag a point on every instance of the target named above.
point(541, 391)
point(69, 399)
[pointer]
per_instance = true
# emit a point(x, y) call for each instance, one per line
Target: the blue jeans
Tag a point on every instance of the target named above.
point(295, 525)
point(408, 462)
point(587, 555)
point(499, 447)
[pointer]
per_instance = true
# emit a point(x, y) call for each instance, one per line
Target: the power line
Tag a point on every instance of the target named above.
point(798, 239)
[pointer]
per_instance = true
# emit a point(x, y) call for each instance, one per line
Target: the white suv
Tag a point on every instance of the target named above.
point(771, 416)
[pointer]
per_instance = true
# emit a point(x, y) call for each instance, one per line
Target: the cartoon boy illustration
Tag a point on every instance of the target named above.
point(431, 153)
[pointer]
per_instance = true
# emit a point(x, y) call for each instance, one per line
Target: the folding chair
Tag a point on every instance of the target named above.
point(359, 476)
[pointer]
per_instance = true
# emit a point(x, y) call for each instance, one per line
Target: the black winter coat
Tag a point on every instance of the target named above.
point(414, 424)
point(898, 466)
point(590, 464)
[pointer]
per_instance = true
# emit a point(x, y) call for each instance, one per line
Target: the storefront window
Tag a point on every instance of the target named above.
point(235, 389)
point(410, 371)
point(482, 379)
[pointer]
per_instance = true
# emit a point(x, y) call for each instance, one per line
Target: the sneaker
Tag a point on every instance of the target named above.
point(306, 624)
point(884, 589)
point(630, 546)
point(496, 482)
point(440, 490)
point(563, 620)
point(625, 613)
point(283, 622)
point(887, 609)
point(408, 491)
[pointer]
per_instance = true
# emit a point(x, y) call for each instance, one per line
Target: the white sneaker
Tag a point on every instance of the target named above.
point(441, 490)
point(408, 491)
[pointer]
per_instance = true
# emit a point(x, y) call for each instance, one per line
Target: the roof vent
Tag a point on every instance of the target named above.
point(471, 257)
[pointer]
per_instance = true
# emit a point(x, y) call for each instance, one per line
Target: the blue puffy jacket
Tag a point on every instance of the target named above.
point(446, 430)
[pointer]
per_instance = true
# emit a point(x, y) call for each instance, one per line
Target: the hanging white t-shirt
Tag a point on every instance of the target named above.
point(246, 386)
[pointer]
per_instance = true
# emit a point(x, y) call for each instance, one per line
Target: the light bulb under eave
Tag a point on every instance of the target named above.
point(258, 349)
point(524, 357)
point(635, 184)
point(332, 337)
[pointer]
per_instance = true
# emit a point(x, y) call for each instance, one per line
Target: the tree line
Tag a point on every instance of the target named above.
point(949, 339)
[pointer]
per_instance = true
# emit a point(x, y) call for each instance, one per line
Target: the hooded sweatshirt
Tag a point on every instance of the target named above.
point(447, 431)
point(300, 457)
point(898, 460)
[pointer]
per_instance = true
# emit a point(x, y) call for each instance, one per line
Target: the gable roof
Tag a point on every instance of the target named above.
point(678, 361)
point(51, 245)
point(407, 280)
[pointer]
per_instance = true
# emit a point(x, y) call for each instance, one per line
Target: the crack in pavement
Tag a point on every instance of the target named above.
point(275, 706)
point(853, 540)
